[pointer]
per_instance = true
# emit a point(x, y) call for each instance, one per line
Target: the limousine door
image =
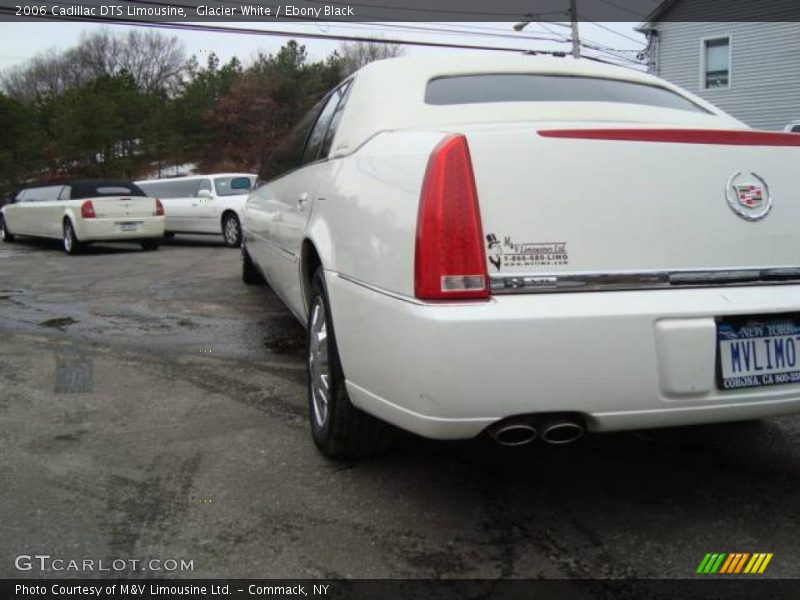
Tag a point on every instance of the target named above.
point(296, 194)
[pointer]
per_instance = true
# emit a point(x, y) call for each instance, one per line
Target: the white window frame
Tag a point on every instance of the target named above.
point(703, 41)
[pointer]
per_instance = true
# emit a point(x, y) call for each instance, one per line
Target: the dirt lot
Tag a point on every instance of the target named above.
point(152, 406)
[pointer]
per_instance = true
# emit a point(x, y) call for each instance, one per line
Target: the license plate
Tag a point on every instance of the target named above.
point(128, 226)
point(758, 351)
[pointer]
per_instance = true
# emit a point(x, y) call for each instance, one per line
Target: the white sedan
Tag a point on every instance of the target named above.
point(203, 204)
point(531, 247)
point(83, 211)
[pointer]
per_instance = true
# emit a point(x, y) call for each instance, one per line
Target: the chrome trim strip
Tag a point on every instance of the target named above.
point(634, 280)
point(405, 298)
point(377, 289)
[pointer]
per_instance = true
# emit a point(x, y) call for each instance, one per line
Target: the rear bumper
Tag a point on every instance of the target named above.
point(110, 230)
point(624, 360)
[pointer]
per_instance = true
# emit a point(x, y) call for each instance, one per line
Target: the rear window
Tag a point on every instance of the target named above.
point(179, 188)
point(524, 87)
point(96, 190)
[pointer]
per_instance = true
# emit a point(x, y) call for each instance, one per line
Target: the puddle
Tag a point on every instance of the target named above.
point(58, 323)
point(284, 336)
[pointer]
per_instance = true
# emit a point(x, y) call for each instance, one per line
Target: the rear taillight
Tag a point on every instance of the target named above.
point(450, 262)
point(159, 208)
point(87, 210)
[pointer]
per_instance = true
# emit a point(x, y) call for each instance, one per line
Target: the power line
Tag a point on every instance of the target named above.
point(453, 31)
point(616, 32)
point(437, 10)
point(622, 8)
point(276, 33)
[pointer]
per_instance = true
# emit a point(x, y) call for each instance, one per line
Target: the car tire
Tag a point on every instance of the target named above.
point(5, 235)
point(70, 241)
point(232, 230)
point(150, 245)
point(339, 429)
point(250, 273)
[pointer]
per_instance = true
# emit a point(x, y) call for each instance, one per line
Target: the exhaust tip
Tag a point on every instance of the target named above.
point(514, 434)
point(563, 433)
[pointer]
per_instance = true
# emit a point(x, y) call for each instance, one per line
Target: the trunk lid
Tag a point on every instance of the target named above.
point(616, 200)
point(124, 207)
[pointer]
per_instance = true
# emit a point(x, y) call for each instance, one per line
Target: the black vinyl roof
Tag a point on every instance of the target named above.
point(93, 188)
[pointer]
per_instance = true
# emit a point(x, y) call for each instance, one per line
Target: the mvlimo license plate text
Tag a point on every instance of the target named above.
point(757, 353)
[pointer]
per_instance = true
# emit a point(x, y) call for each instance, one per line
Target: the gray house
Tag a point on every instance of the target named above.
point(749, 69)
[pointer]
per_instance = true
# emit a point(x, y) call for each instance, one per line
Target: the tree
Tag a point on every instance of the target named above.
point(20, 144)
point(197, 101)
point(99, 126)
point(273, 94)
point(155, 62)
point(355, 55)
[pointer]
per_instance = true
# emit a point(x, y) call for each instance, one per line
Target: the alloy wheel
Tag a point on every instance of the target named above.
point(68, 237)
point(319, 363)
point(232, 231)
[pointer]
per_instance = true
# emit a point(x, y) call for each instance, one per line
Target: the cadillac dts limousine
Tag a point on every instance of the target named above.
point(531, 248)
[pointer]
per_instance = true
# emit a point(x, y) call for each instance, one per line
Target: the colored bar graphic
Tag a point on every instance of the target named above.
point(734, 562)
point(728, 562)
point(765, 563)
point(718, 563)
point(703, 563)
point(741, 562)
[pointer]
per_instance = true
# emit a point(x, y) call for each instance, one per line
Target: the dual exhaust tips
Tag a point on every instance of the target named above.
point(522, 430)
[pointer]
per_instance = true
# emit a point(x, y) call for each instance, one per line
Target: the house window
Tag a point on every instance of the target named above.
point(717, 60)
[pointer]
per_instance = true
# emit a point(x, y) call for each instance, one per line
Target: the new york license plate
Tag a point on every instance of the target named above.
point(758, 351)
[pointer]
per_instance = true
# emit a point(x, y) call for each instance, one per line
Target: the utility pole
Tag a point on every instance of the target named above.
point(576, 39)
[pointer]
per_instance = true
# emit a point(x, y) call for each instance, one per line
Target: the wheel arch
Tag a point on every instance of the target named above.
point(229, 211)
point(310, 261)
point(69, 215)
point(316, 251)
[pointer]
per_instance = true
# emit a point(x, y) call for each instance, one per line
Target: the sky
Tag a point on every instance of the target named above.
point(22, 41)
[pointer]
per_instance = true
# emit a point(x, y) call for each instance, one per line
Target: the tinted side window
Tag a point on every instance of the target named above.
point(180, 188)
point(231, 186)
point(796, 129)
point(524, 87)
point(289, 151)
point(43, 194)
point(317, 135)
point(337, 117)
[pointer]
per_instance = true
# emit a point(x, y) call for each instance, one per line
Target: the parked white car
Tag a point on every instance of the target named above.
point(203, 204)
point(793, 127)
point(84, 211)
point(531, 247)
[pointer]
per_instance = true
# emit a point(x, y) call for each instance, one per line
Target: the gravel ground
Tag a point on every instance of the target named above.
point(153, 406)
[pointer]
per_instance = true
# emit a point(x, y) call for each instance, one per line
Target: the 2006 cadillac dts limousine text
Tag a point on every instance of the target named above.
point(531, 247)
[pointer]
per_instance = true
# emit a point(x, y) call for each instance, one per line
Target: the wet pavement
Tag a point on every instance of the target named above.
point(153, 406)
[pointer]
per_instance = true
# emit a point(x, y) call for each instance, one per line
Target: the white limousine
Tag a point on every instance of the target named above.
point(531, 247)
point(84, 211)
point(203, 204)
